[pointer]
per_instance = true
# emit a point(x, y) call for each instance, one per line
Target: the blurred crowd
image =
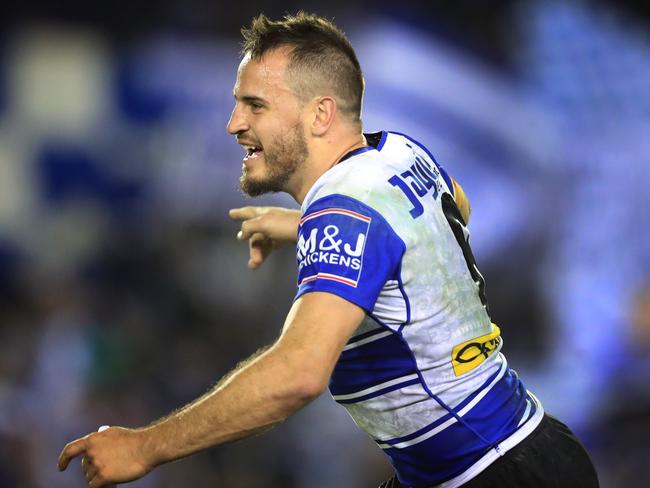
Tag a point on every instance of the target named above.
point(124, 293)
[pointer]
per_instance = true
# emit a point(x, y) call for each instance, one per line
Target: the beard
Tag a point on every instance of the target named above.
point(281, 158)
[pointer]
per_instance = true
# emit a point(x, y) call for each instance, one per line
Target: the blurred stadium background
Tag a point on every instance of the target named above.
point(124, 293)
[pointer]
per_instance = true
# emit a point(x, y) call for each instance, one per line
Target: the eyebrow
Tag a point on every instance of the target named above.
point(251, 99)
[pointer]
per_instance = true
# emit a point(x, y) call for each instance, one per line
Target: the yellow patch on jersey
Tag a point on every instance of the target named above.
point(468, 355)
point(462, 202)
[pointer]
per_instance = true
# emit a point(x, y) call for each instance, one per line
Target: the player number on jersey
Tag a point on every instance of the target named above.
point(456, 223)
point(423, 179)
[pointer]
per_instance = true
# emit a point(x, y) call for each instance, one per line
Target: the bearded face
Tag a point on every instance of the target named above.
point(269, 168)
point(267, 121)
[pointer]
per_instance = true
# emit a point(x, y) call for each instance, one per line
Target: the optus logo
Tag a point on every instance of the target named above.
point(468, 355)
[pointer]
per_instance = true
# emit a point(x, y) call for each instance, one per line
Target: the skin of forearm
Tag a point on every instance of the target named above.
point(259, 394)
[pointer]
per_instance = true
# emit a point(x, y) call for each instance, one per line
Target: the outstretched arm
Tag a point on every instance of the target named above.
point(260, 393)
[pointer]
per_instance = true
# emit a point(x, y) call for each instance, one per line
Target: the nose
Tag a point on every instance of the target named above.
point(237, 123)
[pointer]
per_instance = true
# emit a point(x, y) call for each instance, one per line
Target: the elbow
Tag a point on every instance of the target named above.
point(309, 387)
point(304, 377)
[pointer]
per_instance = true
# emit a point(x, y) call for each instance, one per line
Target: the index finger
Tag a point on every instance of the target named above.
point(244, 213)
point(71, 451)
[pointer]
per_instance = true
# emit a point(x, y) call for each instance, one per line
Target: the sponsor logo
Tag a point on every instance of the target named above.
point(330, 246)
point(470, 354)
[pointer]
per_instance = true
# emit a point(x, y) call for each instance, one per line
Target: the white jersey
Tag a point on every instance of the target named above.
point(423, 375)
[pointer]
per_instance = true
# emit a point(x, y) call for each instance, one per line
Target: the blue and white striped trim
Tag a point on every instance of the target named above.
point(388, 444)
point(378, 389)
point(526, 414)
point(367, 340)
point(528, 426)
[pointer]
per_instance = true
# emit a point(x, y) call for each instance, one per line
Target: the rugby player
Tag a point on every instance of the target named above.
point(390, 312)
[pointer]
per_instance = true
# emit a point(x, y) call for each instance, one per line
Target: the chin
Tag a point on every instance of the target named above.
point(254, 187)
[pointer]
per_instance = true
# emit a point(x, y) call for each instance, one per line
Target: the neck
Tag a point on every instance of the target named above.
point(323, 161)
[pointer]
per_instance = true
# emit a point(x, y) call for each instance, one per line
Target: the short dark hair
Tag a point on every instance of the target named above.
point(320, 57)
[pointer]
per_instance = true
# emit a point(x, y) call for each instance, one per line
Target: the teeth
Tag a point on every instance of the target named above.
point(251, 151)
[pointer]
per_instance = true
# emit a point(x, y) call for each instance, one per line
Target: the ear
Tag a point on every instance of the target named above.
point(324, 113)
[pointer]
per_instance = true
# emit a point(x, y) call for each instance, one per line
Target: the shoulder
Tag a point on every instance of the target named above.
point(364, 176)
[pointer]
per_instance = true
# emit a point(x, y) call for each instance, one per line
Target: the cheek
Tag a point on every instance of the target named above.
point(265, 130)
point(273, 128)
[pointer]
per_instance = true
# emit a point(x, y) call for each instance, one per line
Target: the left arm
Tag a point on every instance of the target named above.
point(259, 394)
point(461, 201)
point(266, 229)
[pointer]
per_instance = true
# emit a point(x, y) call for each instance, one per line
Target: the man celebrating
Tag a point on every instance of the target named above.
point(390, 311)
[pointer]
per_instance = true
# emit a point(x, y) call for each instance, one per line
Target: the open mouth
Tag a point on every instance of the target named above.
point(252, 152)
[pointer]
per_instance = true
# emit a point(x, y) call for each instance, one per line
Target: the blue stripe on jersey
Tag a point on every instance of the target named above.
point(457, 410)
point(442, 170)
point(453, 449)
point(407, 302)
point(382, 141)
point(370, 333)
point(382, 391)
point(372, 364)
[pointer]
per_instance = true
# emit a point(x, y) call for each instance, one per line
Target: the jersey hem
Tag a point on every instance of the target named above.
point(483, 463)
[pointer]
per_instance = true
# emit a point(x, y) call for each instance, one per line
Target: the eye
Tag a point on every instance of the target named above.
point(256, 106)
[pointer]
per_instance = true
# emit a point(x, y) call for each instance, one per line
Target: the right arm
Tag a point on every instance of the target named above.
point(260, 393)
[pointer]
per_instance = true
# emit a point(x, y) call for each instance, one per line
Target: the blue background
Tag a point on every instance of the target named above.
point(125, 293)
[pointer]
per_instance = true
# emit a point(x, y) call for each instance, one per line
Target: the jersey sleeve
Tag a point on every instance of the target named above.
point(348, 249)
